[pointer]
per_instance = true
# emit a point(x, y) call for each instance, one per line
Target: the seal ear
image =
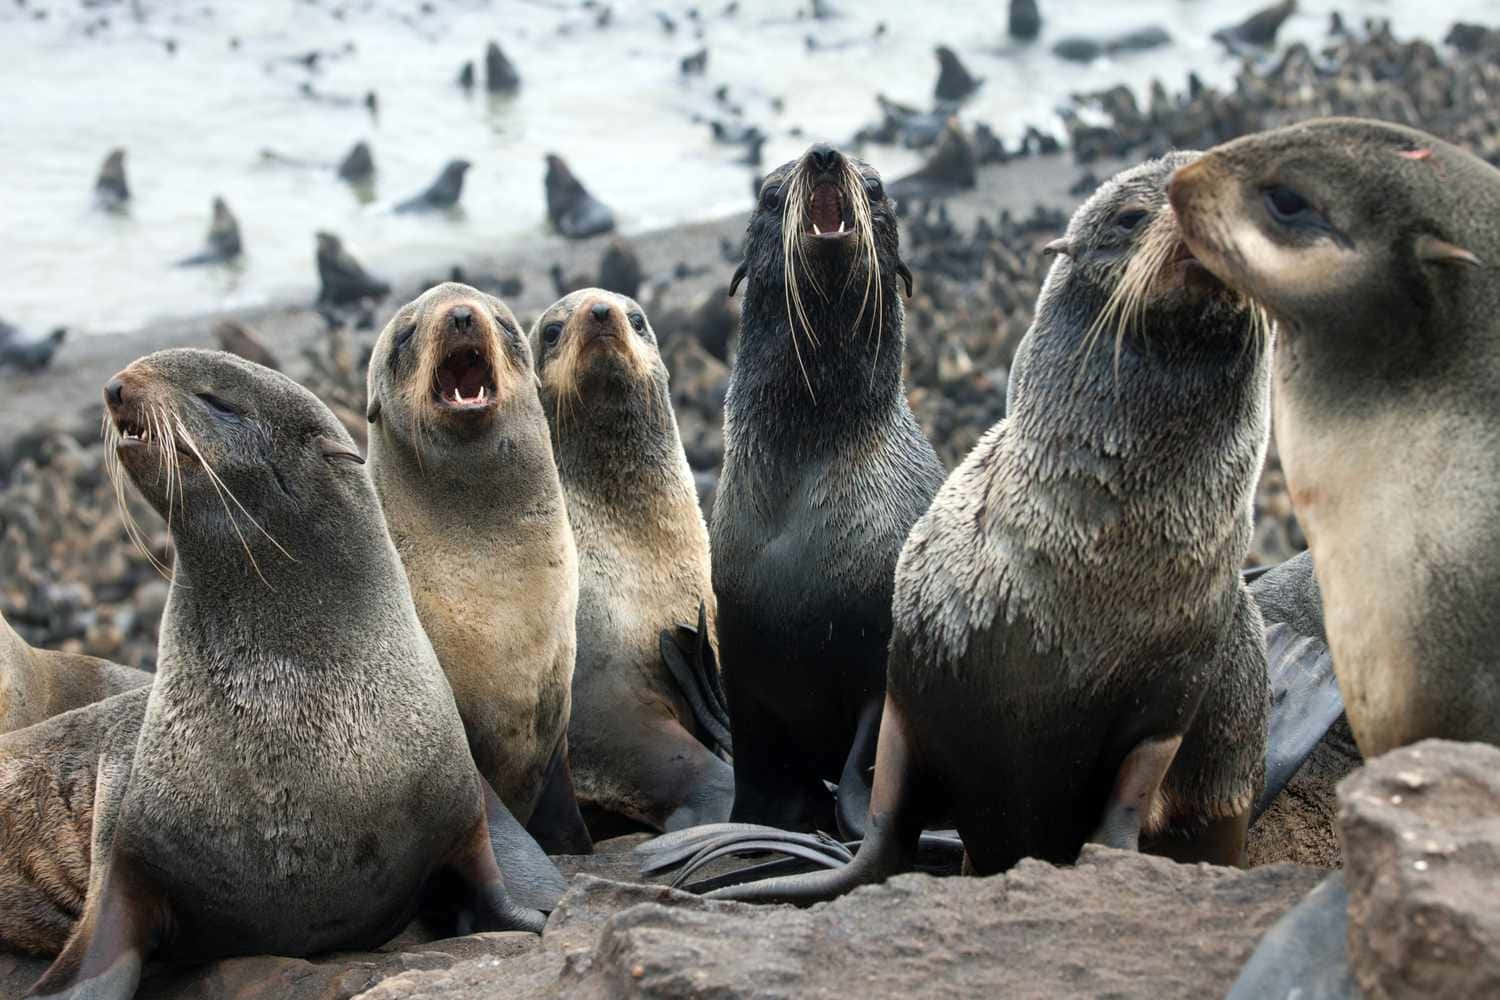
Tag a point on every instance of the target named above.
point(905, 273)
point(1058, 246)
point(739, 276)
point(1436, 251)
point(337, 451)
point(373, 413)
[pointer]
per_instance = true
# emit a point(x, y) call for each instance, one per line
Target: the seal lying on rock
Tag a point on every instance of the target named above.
point(297, 707)
point(1372, 246)
point(825, 471)
point(1075, 656)
point(643, 562)
point(461, 456)
point(36, 684)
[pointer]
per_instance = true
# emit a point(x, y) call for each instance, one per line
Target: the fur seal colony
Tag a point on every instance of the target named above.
point(825, 472)
point(461, 456)
point(643, 563)
point(36, 684)
point(252, 813)
point(1371, 245)
point(1075, 655)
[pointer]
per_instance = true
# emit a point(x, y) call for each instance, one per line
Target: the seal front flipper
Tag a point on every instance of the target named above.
point(1305, 953)
point(556, 822)
point(104, 957)
point(1136, 786)
point(689, 658)
point(492, 907)
point(533, 880)
point(852, 800)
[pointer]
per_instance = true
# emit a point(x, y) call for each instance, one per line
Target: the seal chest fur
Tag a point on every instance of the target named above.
point(825, 471)
point(1373, 246)
point(1075, 656)
point(643, 562)
point(297, 705)
point(461, 457)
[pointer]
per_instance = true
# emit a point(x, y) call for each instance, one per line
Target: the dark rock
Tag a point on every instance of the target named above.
point(954, 82)
point(574, 212)
point(695, 64)
point(1025, 20)
point(357, 166)
point(500, 77)
point(442, 193)
point(1258, 30)
point(620, 269)
point(1421, 830)
point(344, 280)
point(237, 338)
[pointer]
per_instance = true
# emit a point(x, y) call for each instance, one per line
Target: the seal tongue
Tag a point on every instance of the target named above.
point(826, 213)
point(463, 377)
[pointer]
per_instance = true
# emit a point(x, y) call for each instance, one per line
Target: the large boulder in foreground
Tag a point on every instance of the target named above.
point(1421, 830)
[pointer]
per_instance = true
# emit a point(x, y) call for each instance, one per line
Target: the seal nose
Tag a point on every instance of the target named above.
point(825, 159)
point(114, 392)
point(600, 311)
point(462, 317)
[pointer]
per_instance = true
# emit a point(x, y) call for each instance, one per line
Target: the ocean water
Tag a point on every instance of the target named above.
point(195, 90)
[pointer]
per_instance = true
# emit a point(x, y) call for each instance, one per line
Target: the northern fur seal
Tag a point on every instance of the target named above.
point(825, 471)
point(462, 459)
point(223, 242)
point(111, 191)
point(1075, 656)
point(297, 708)
point(36, 684)
point(1373, 248)
point(442, 193)
point(643, 562)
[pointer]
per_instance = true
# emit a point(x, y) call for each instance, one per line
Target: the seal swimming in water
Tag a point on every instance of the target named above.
point(575, 213)
point(342, 279)
point(462, 459)
point(111, 191)
point(825, 472)
point(223, 242)
point(643, 562)
point(442, 193)
point(1372, 246)
point(1075, 656)
point(290, 639)
point(36, 684)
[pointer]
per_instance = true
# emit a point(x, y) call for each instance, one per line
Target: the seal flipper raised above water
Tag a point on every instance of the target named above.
point(328, 709)
point(462, 458)
point(1075, 655)
point(825, 471)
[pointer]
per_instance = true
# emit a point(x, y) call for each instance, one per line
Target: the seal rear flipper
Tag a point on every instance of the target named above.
point(689, 658)
point(1305, 953)
point(104, 957)
point(852, 800)
point(671, 849)
point(491, 905)
point(1305, 702)
point(532, 879)
point(1136, 785)
point(556, 822)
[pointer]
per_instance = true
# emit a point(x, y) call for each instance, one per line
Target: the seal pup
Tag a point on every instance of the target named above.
point(643, 562)
point(342, 279)
point(36, 684)
point(1372, 246)
point(289, 638)
point(574, 212)
point(223, 242)
point(825, 472)
point(442, 193)
point(462, 459)
point(111, 192)
point(1075, 655)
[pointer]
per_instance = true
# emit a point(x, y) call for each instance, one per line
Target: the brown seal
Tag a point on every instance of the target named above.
point(1373, 246)
point(1075, 656)
point(643, 562)
point(462, 459)
point(297, 708)
point(36, 684)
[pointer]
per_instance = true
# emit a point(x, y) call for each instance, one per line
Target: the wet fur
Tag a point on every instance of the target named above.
point(643, 564)
point(825, 471)
point(477, 513)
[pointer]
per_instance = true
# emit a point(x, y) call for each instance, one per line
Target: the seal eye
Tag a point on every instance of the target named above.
point(550, 333)
point(218, 405)
point(770, 194)
point(639, 322)
point(1286, 205)
point(1127, 221)
point(874, 189)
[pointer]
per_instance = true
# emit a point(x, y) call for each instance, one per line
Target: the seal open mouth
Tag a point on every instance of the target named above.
point(132, 433)
point(465, 380)
point(826, 218)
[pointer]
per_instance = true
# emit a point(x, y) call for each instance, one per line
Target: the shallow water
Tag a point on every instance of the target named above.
point(611, 101)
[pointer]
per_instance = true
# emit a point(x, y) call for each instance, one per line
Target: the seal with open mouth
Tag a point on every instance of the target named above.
point(297, 705)
point(1075, 655)
point(462, 459)
point(825, 471)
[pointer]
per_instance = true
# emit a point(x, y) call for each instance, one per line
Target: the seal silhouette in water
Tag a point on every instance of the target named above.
point(1075, 655)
